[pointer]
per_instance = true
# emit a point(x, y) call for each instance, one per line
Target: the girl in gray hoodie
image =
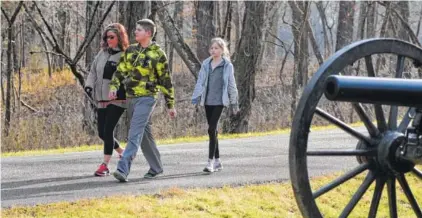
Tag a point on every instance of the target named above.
point(114, 42)
point(216, 89)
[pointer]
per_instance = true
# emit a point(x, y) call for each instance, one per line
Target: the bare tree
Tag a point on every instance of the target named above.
point(10, 20)
point(300, 37)
point(371, 24)
point(178, 9)
point(92, 19)
point(345, 24)
point(58, 50)
point(132, 11)
point(325, 27)
point(175, 36)
point(206, 28)
point(246, 60)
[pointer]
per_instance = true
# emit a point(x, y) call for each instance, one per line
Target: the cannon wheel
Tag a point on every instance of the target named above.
point(307, 107)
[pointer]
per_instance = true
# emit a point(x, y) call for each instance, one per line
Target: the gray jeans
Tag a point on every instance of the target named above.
point(139, 112)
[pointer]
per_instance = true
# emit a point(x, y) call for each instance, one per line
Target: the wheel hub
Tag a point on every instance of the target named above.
point(388, 152)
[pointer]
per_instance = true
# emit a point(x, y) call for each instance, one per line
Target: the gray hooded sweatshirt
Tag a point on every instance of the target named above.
point(230, 94)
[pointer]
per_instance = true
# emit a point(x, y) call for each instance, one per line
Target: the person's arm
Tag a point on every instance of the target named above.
point(198, 87)
point(232, 89)
point(92, 76)
point(164, 80)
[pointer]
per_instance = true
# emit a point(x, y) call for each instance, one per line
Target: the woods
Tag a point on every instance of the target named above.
point(275, 48)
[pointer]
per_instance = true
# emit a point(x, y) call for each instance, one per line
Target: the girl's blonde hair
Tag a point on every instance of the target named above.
point(223, 45)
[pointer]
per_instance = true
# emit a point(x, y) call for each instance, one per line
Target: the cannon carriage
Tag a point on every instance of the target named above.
point(385, 152)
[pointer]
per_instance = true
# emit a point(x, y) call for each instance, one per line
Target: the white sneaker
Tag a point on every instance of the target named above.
point(210, 166)
point(218, 166)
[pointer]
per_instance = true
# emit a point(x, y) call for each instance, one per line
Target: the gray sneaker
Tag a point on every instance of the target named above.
point(218, 166)
point(120, 176)
point(210, 167)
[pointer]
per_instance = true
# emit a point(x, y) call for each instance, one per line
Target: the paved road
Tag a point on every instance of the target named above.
point(68, 177)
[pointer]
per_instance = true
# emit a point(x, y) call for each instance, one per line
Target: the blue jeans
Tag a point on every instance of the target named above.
point(139, 112)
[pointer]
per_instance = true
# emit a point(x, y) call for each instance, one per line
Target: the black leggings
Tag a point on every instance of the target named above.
point(107, 120)
point(213, 113)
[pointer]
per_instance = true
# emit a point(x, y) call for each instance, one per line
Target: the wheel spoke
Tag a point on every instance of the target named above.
point(400, 66)
point(372, 129)
point(379, 186)
point(406, 120)
point(406, 189)
point(357, 152)
point(343, 126)
point(392, 119)
point(358, 195)
point(379, 113)
point(349, 175)
point(392, 199)
point(369, 66)
point(417, 173)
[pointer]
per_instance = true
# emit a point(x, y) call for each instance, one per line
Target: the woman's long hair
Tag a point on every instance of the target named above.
point(121, 33)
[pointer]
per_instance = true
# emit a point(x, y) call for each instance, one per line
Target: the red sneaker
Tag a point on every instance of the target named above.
point(102, 170)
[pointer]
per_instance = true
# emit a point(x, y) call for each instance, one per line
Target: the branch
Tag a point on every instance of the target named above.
point(174, 35)
point(24, 103)
point(5, 15)
point(406, 25)
point(81, 50)
point(37, 27)
point(89, 27)
point(92, 18)
point(49, 52)
point(15, 14)
point(56, 45)
point(11, 20)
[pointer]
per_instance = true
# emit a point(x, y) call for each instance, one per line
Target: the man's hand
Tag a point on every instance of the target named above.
point(112, 95)
point(172, 113)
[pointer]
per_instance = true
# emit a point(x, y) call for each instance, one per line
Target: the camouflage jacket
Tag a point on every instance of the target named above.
point(144, 71)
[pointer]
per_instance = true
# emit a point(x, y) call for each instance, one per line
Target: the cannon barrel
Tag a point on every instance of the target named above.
point(387, 91)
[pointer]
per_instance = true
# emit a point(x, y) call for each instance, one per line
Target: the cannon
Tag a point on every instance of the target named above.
point(385, 152)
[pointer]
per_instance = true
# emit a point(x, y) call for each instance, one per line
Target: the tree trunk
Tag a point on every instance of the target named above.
point(363, 13)
point(91, 20)
point(249, 50)
point(345, 24)
point(134, 11)
point(178, 9)
point(227, 28)
point(403, 9)
point(370, 23)
point(180, 45)
point(9, 82)
point(324, 24)
point(62, 17)
point(206, 28)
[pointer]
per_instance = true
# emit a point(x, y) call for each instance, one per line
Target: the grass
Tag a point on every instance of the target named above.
point(265, 200)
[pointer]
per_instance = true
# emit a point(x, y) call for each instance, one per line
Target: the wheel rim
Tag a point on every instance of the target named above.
point(307, 107)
